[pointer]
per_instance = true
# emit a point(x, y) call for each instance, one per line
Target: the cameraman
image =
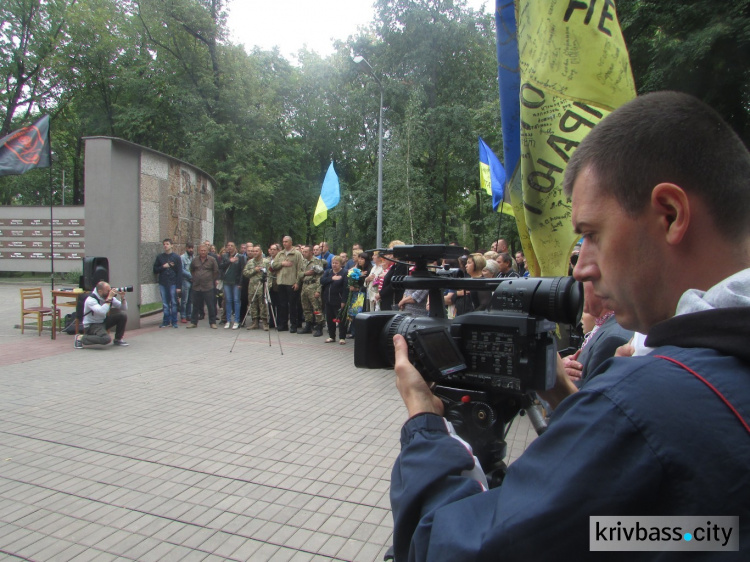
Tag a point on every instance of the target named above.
point(646, 436)
point(103, 309)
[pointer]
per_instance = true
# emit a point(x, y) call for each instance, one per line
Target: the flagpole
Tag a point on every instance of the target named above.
point(500, 222)
point(51, 217)
point(51, 232)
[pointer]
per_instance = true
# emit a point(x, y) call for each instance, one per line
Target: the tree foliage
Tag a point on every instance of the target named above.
point(701, 47)
point(163, 74)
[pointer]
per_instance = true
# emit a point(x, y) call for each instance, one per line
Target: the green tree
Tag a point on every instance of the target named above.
point(447, 52)
point(31, 32)
point(700, 47)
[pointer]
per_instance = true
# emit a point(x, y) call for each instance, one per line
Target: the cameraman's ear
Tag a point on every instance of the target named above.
point(672, 206)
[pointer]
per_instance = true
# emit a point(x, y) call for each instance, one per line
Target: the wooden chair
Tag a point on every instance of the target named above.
point(36, 309)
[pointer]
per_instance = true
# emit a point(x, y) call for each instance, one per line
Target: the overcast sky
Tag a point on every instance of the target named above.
point(291, 24)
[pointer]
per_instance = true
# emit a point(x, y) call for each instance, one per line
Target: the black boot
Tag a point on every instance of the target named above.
point(306, 328)
point(318, 330)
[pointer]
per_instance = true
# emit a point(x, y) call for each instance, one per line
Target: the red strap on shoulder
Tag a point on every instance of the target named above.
point(712, 387)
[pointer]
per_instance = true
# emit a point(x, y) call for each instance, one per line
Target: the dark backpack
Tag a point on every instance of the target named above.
point(70, 324)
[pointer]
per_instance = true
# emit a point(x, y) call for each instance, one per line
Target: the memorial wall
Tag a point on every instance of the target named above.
point(135, 197)
point(25, 238)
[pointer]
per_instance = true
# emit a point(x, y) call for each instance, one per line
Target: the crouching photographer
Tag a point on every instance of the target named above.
point(103, 309)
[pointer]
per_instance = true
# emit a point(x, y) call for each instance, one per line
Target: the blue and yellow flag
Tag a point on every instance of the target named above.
point(25, 149)
point(572, 71)
point(329, 196)
point(492, 177)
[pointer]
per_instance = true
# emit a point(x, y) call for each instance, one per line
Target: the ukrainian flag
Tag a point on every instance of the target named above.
point(492, 178)
point(563, 67)
point(329, 196)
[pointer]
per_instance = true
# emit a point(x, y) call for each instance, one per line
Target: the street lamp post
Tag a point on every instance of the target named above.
point(362, 63)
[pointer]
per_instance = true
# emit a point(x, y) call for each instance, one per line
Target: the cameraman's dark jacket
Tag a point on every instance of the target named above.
point(171, 275)
point(644, 437)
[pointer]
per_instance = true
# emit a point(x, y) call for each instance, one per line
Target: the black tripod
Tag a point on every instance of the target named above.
point(263, 285)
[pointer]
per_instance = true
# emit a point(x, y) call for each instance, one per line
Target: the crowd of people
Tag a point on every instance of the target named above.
point(305, 289)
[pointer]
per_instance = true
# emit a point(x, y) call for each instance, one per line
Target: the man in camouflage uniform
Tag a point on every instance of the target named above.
point(288, 265)
point(309, 279)
point(253, 272)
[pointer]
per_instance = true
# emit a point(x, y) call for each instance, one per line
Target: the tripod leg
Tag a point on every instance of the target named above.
point(267, 297)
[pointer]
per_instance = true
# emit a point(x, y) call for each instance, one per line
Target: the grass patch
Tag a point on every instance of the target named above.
point(150, 307)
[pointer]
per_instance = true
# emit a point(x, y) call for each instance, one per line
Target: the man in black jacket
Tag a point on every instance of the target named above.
point(168, 266)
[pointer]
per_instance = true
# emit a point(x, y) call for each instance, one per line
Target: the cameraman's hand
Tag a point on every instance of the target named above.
point(414, 391)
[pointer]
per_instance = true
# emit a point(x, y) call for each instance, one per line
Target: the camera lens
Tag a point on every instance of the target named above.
point(404, 324)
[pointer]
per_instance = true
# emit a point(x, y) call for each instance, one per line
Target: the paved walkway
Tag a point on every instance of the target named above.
point(182, 448)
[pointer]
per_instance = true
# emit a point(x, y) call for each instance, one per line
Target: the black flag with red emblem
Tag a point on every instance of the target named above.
point(25, 149)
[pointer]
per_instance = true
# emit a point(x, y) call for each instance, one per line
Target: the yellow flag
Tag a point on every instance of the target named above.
point(574, 72)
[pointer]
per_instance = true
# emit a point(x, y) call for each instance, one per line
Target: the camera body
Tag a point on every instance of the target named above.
point(507, 349)
point(485, 365)
point(496, 352)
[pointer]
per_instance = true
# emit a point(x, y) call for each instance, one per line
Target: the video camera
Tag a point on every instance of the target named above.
point(485, 365)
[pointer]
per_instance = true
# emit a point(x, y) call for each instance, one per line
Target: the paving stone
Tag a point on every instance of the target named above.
point(177, 449)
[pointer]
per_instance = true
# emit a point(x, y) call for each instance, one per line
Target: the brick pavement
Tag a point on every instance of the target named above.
point(176, 449)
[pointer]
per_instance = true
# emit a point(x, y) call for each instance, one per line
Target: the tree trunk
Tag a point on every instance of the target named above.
point(77, 183)
point(228, 225)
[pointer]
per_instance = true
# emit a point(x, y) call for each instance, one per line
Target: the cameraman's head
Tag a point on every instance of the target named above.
point(686, 199)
